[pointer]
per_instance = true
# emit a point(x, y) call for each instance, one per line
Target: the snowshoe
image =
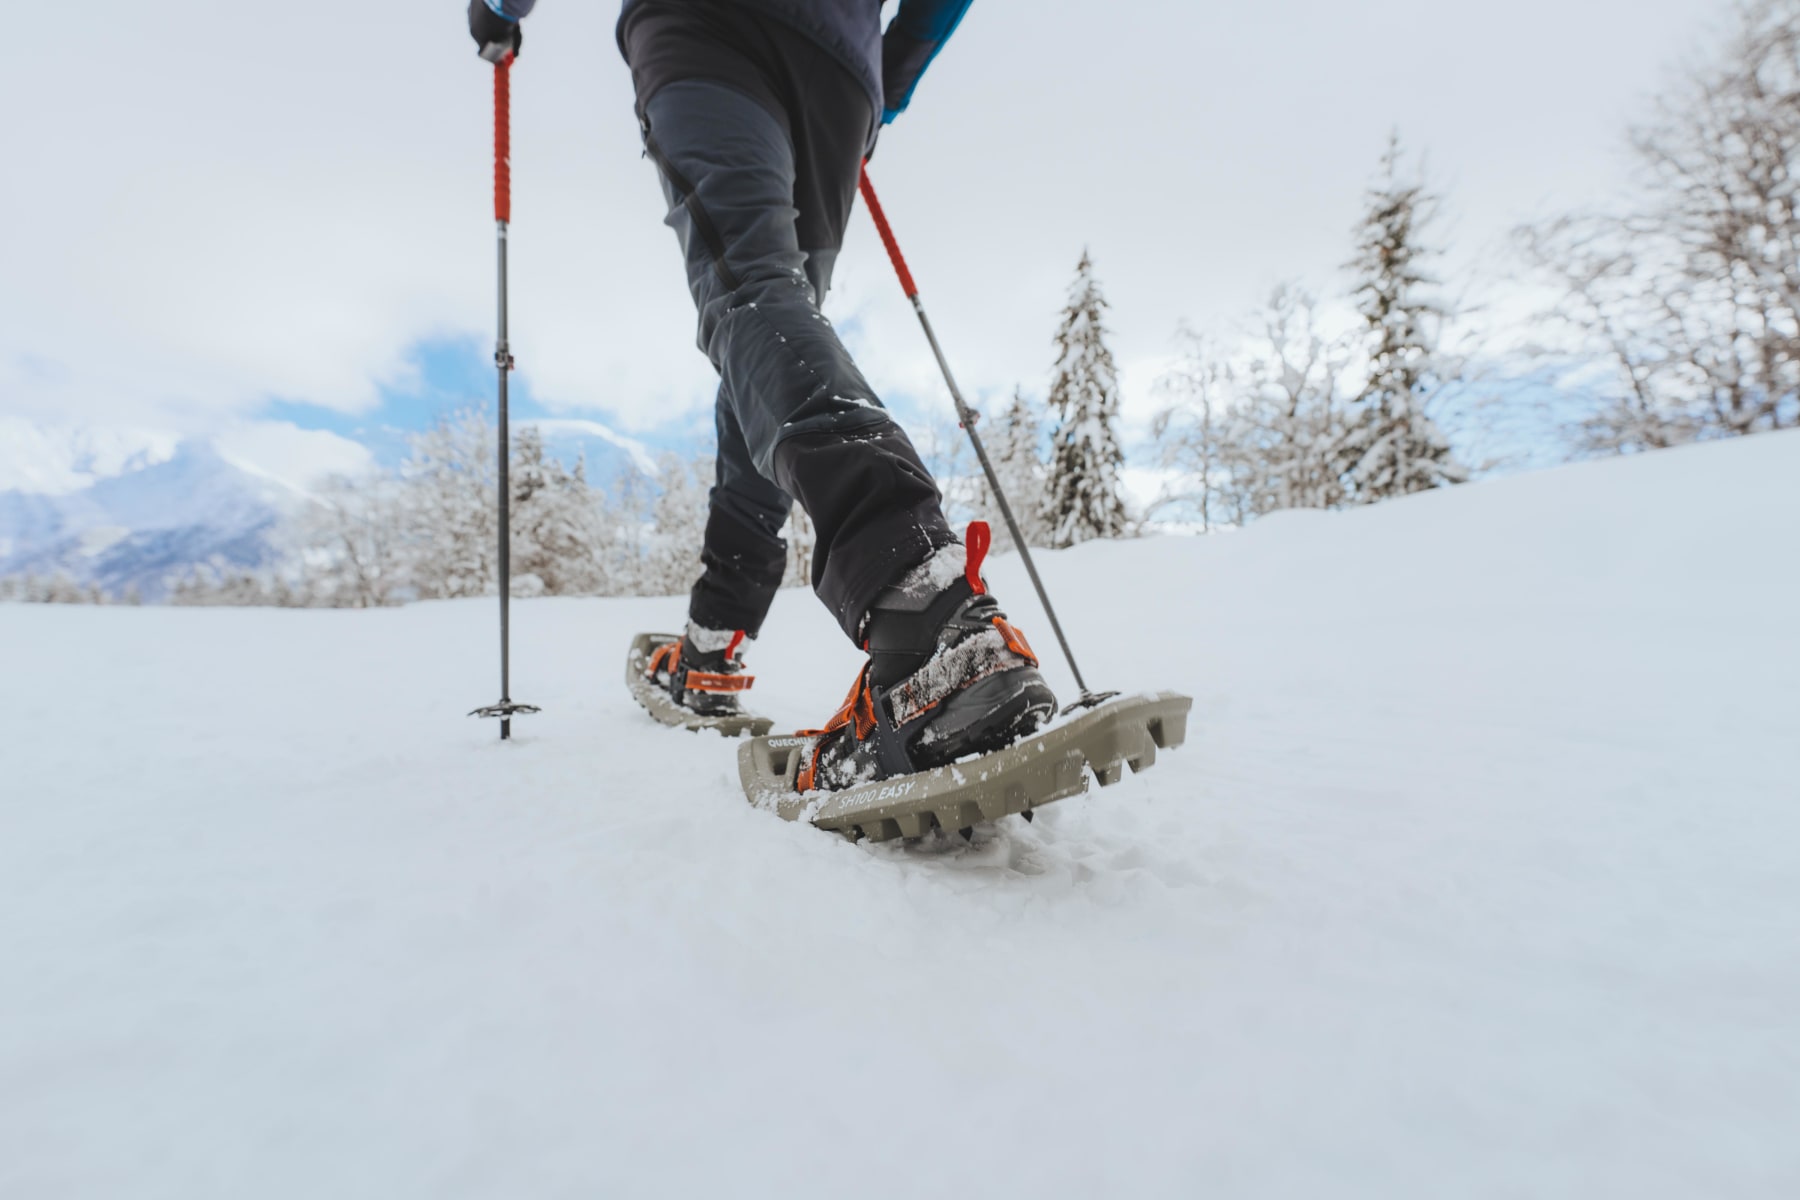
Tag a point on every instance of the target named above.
point(685, 681)
point(949, 677)
point(1048, 766)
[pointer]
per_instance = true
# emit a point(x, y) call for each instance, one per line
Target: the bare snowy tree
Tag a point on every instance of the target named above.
point(220, 585)
point(1085, 497)
point(1190, 432)
point(60, 588)
point(1012, 438)
point(945, 449)
point(1392, 445)
point(1693, 295)
point(1260, 427)
point(1283, 445)
point(345, 545)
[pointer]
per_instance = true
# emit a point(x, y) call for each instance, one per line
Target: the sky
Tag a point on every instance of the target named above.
point(260, 217)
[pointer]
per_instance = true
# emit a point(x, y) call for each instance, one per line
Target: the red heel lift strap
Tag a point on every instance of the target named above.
point(977, 540)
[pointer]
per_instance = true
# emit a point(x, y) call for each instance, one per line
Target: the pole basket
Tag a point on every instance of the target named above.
point(505, 709)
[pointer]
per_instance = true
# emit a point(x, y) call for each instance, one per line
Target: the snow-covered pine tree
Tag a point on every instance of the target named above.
point(533, 552)
point(670, 561)
point(446, 500)
point(1085, 499)
point(555, 522)
point(1392, 446)
point(1017, 454)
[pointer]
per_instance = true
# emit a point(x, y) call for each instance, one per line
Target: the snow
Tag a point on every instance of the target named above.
point(707, 641)
point(1476, 877)
point(927, 581)
point(976, 657)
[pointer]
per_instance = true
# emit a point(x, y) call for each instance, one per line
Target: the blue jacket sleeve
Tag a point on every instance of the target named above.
point(512, 10)
point(914, 37)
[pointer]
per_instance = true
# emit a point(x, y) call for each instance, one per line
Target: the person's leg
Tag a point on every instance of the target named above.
point(809, 420)
point(743, 555)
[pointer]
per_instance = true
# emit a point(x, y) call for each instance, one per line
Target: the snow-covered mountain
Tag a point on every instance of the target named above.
point(127, 509)
point(1476, 877)
point(142, 516)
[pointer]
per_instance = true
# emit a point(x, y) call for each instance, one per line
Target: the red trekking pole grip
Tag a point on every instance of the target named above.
point(503, 139)
point(887, 236)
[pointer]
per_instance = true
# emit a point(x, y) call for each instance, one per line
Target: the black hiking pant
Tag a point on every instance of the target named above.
point(759, 154)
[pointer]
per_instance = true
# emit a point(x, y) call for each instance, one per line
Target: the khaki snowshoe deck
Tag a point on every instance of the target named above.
point(1050, 766)
point(662, 706)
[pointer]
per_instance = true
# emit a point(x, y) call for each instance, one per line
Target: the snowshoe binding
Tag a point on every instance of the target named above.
point(948, 678)
point(693, 681)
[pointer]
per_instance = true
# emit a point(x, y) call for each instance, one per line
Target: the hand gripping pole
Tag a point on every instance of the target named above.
point(967, 416)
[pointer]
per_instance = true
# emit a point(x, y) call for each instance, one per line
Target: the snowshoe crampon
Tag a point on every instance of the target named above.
point(661, 705)
point(1025, 776)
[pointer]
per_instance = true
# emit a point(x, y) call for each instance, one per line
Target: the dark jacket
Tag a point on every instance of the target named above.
point(889, 65)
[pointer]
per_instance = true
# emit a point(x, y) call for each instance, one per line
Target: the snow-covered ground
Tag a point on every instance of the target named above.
point(1479, 876)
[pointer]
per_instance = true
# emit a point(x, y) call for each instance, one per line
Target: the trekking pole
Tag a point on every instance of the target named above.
point(967, 417)
point(503, 361)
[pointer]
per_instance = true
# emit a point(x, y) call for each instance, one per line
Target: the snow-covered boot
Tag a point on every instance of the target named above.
point(947, 677)
point(703, 672)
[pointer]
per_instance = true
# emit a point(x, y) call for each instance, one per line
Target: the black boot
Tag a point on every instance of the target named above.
point(947, 677)
point(704, 671)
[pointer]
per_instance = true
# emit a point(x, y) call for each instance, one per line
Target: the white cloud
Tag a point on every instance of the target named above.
point(207, 210)
point(59, 459)
point(56, 460)
point(296, 458)
point(575, 427)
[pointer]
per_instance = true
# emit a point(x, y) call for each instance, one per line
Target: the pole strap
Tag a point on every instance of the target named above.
point(503, 139)
point(887, 235)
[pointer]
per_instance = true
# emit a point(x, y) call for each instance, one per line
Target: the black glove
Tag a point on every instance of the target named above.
point(494, 33)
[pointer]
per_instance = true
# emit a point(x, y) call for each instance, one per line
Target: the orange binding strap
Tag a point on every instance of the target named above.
point(1015, 641)
point(665, 658)
point(705, 681)
point(858, 707)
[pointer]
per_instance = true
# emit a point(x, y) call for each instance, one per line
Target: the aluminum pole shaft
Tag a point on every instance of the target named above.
point(503, 362)
point(967, 417)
